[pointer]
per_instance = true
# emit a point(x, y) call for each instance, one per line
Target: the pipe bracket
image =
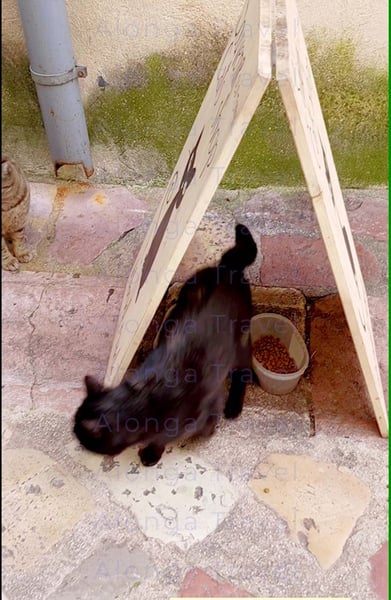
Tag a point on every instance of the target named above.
point(59, 78)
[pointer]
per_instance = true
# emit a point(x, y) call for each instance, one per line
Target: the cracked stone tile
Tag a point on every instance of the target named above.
point(320, 502)
point(40, 503)
point(91, 219)
point(107, 573)
point(182, 499)
point(56, 330)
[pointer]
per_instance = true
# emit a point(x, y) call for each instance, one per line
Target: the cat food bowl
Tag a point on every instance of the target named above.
point(279, 354)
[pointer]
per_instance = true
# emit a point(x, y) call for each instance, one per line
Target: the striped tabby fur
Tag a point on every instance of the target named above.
point(15, 204)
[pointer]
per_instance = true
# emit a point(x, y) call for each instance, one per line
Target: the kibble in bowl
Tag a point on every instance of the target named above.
point(273, 355)
point(280, 356)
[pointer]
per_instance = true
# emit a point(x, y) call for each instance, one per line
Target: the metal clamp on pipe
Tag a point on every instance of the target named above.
point(59, 78)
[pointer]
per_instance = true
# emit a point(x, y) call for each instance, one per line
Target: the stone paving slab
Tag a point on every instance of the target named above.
point(56, 329)
point(109, 572)
point(34, 484)
point(91, 219)
point(120, 219)
point(320, 502)
point(59, 318)
point(251, 547)
point(304, 263)
point(181, 500)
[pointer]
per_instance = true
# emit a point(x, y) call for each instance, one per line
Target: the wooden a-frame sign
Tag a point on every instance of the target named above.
point(268, 32)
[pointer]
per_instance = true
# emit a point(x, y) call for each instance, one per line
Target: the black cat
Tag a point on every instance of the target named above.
point(179, 391)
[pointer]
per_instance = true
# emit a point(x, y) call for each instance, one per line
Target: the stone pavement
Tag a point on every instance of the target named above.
point(288, 500)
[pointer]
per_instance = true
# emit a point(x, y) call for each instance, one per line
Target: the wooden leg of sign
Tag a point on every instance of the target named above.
point(298, 91)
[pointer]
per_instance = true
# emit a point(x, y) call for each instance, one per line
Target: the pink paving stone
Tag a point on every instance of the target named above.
point(75, 324)
point(378, 308)
point(379, 572)
point(367, 213)
point(16, 397)
point(369, 218)
point(17, 366)
point(283, 212)
point(293, 261)
point(19, 301)
point(60, 397)
point(20, 293)
point(198, 584)
point(91, 219)
point(63, 333)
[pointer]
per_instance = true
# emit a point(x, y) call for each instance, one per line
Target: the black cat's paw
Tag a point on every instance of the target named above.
point(150, 455)
point(232, 411)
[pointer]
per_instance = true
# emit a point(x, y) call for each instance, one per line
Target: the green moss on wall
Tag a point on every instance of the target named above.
point(157, 113)
point(19, 108)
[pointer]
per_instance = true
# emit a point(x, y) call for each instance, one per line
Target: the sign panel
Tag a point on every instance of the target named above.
point(234, 94)
point(237, 87)
point(298, 90)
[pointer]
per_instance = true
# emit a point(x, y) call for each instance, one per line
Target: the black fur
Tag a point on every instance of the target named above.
point(179, 391)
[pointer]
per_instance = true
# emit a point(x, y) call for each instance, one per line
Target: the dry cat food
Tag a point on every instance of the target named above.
point(273, 355)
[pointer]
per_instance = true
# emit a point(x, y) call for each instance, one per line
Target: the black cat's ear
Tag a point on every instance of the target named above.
point(93, 386)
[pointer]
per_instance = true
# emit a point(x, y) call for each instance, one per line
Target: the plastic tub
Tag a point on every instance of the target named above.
point(283, 329)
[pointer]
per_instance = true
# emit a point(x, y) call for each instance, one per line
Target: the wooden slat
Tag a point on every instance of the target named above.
point(298, 90)
point(235, 91)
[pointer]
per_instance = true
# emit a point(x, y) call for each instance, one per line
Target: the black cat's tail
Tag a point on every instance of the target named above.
point(243, 253)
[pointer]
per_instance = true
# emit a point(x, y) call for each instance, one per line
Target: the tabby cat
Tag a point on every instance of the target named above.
point(15, 204)
point(179, 391)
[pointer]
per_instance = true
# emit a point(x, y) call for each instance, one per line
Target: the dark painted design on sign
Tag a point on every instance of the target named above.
point(187, 178)
point(326, 166)
point(345, 236)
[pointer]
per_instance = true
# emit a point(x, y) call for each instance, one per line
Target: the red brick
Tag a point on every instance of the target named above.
point(296, 261)
point(197, 583)
point(379, 572)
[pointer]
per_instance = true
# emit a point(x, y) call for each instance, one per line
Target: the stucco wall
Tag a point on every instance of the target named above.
point(108, 34)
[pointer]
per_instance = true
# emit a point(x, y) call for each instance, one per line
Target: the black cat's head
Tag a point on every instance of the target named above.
point(107, 422)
